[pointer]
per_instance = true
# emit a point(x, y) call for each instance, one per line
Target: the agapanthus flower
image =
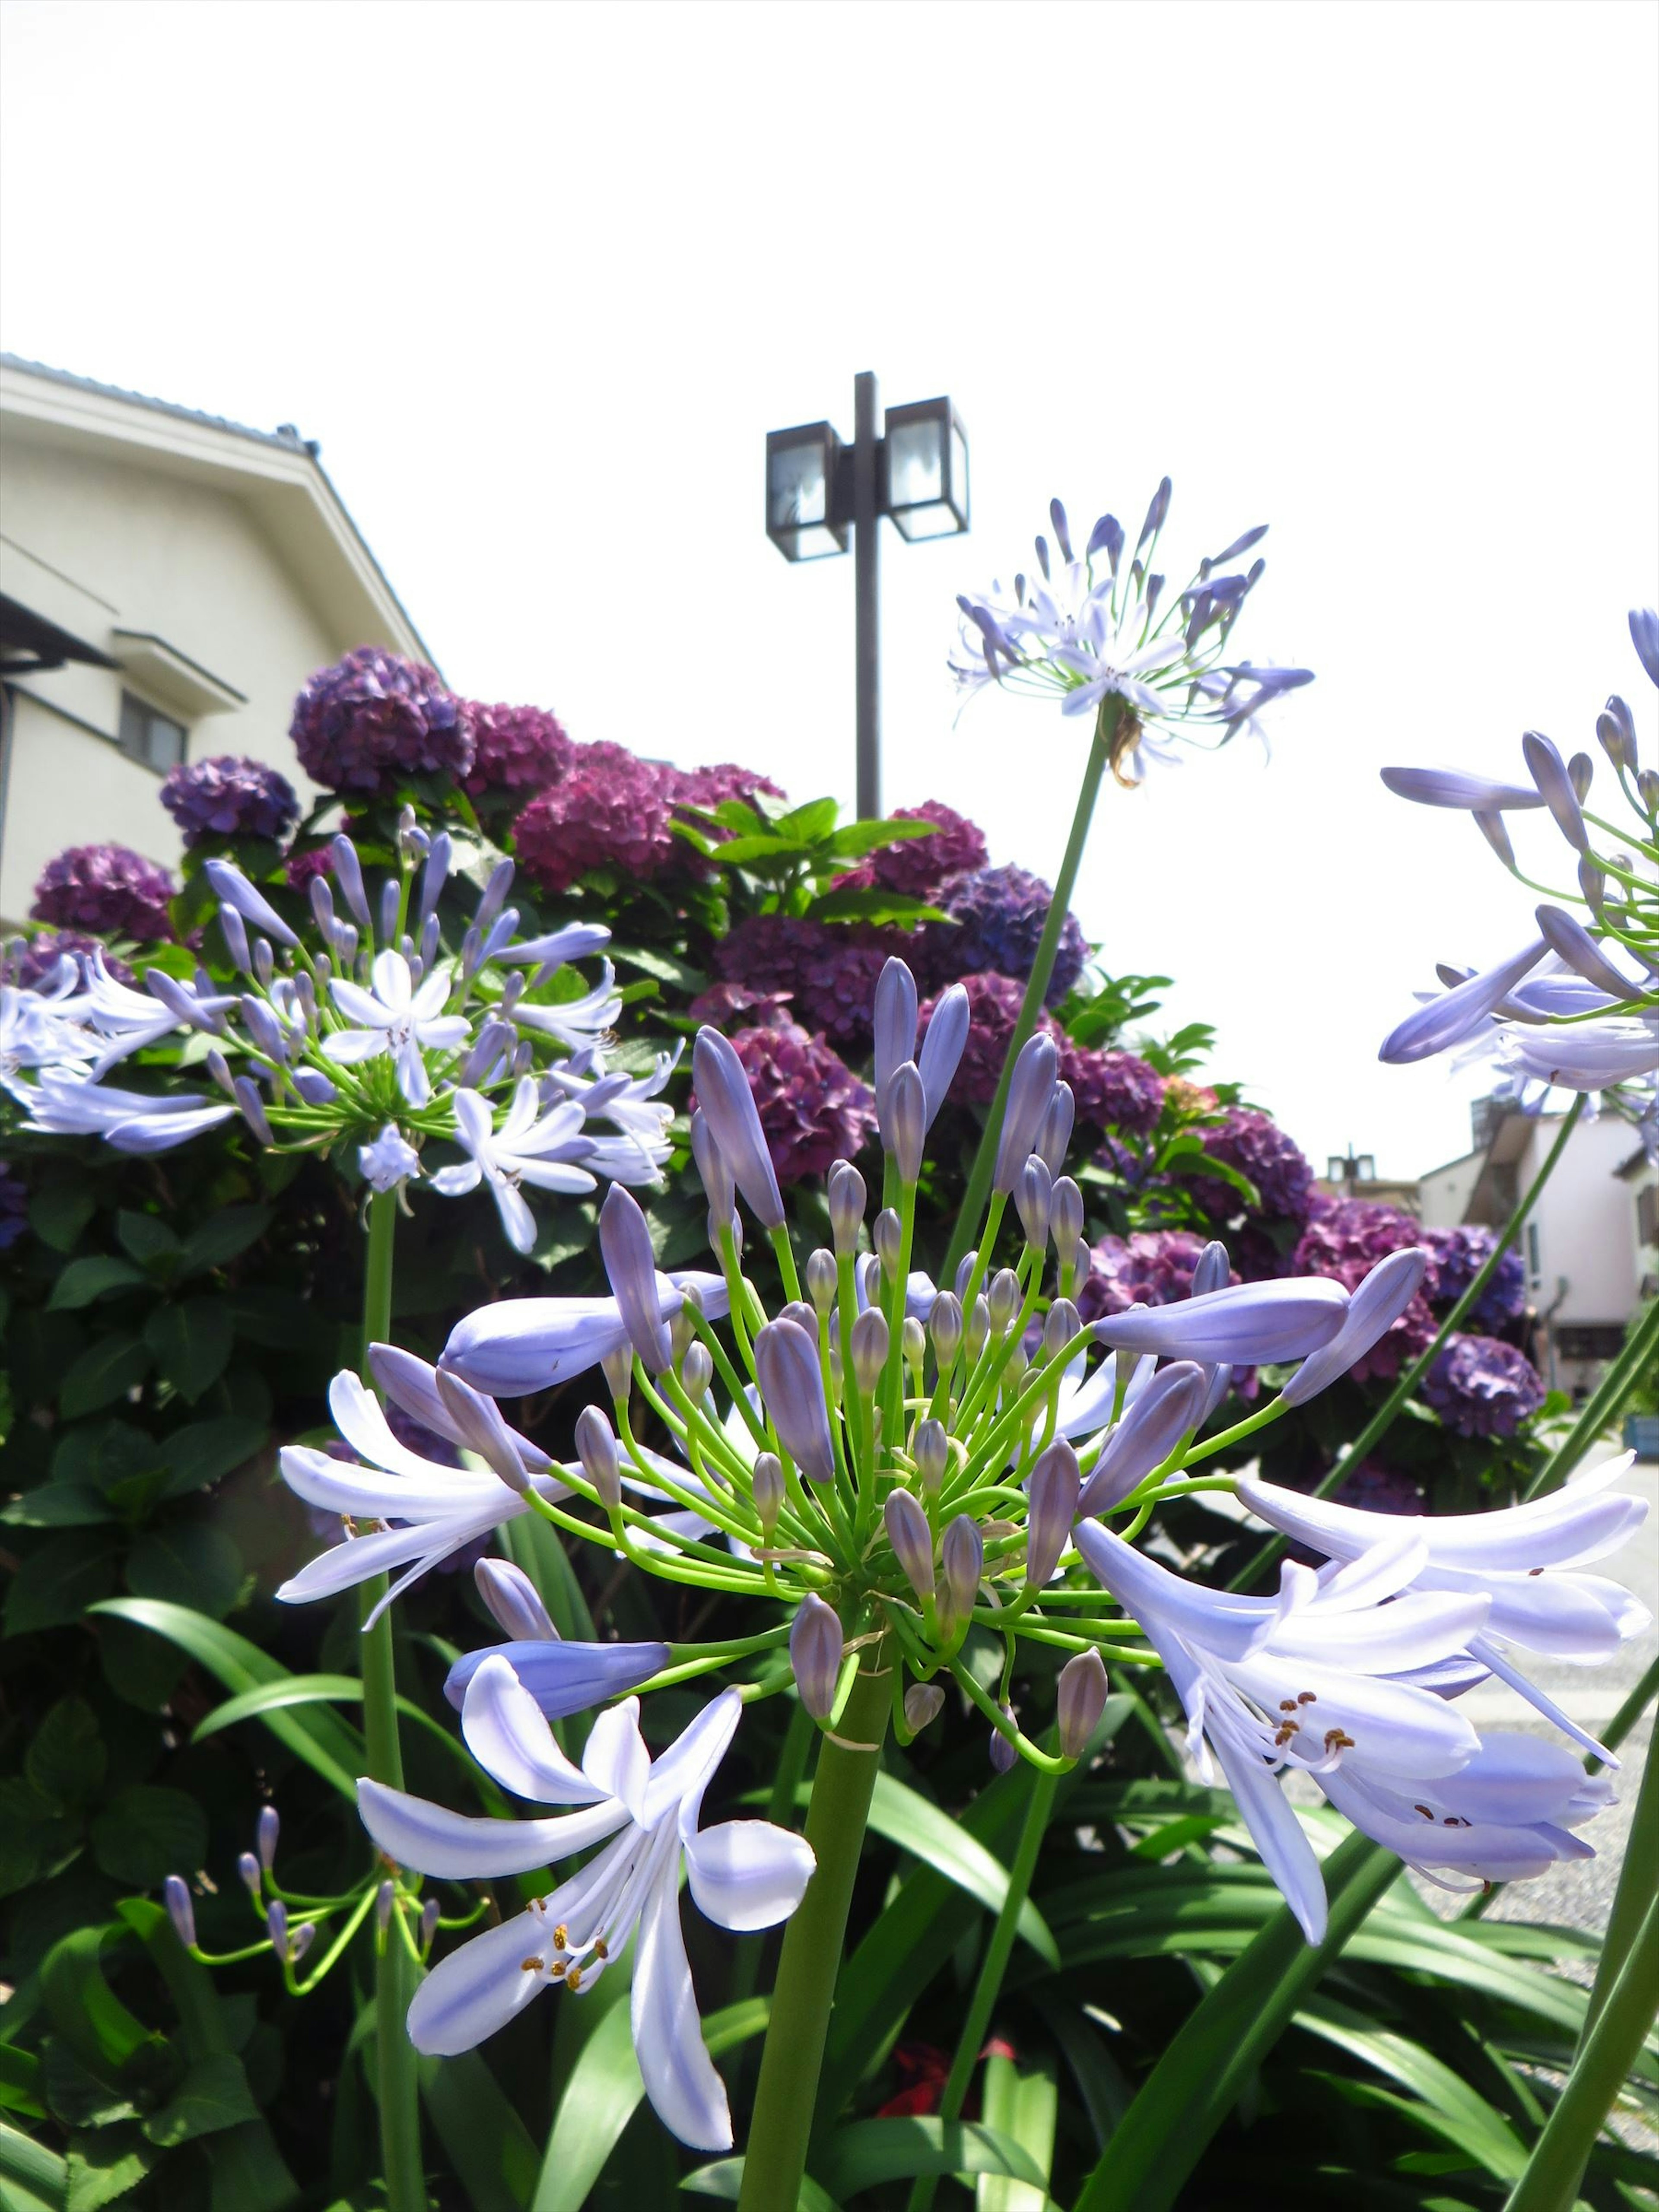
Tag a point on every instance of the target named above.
point(106, 887)
point(610, 810)
point(374, 719)
point(1150, 1267)
point(40, 1034)
point(828, 972)
point(515, 748)
point(647, 1814)
point(997, 920)
point(813, 1108)
point(1096, 627)
point(1253, 1145)
point(1344, 1239)
point(1459, 1254)
point(1481, 1387)
point(546, 1150)
point(1112, 1088)
point(994, 1004)
point(229, 796)
point(399, 1017)
point(128, 1120)
point(31, 961)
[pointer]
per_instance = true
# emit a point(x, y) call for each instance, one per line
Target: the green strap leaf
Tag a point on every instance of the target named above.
point(724, 2180)
point(870, 2152)
point(488, 2143)
point(908, 1818)
point(37, 2175)
point(1022, 2102)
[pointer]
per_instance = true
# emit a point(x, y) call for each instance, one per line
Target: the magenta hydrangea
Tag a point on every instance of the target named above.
point(516, 750)
point(612, 810)
point(1481, 1387)
point(1459, 1254)
point(997, 919)
point(1253, 1145)
point(728, 1005)
point(106, 887)
point(1114, 1090)
point(374, 719)
point(813, 1108)
point(31, 960)
point(299, 868)
point(828, 972)
point(1150, 1267)
point(1344, 1238)
point(994, 1004)
point(695, 789)
point(229, 796)
point(920, 867)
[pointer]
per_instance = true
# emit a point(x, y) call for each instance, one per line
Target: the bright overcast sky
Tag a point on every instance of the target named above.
point(540, 278)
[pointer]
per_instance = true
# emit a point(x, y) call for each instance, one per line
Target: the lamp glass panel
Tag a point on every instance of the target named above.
point(959, 473)
point(815, 543)
point(797, 490)
point(938, 521)
point(915, 462)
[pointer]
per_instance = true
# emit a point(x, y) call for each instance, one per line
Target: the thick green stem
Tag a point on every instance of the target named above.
point(1603, 1405)
point(978, 1182)
point(998, 1953)
point(394, 2056)
point(810, 1957)
point(1635, 1892)
point(1383, 1419)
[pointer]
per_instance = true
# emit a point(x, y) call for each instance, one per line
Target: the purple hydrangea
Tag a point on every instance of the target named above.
point(229, 797)
point(920, 867)
point(722, 1003)
point(105, 888)
point(1375, 1488)
point(829, 970)
point(1481, 1387)
point(997, 918)
point(612, 810)
point(299, 868)
point(695, 789)
point(1344, 1238)
point(515, 748)
point(1151, 1267)
point(813, 1109)
point(32, 959)
point(1459, 1254)
point(374, 719)
point(1113, 1090)
point(1255, 1146)
point(14, 1205)
point(994, 1004)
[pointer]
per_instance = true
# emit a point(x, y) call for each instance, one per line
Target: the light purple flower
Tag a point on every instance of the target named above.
point(388, 1161)
point(229, 797)
point(521, 1346)
point(1460, 1012)
point(546, 1151)
point(1446, 786)
point(130, 1120)
point(396, 1017)
point(1247, 1325)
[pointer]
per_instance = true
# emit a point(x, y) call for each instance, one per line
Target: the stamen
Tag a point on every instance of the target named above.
point(1424, 1810)
point(562, 1936)
point(531, 1966)
point(1338, 1738)
point(601, 1948)
point(1306, 1697)
point(556, 1970)
point(1287, 1704)
point(572, 1980)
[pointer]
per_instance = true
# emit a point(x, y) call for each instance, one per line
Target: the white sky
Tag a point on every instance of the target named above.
point(540, 278)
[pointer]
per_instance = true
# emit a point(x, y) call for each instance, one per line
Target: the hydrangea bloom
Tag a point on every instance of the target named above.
point(829, 972)
point(14, 1205)
point(374, 719)
point(1151, 1267)
point(1344, 1238)
point(31, 960)
point(994, 1004)
point(1255, 1146)
point(299, 868)
point(722, 1003)
point(229, 797)
point(611, 809)
point(1373, 1488)
point(1458, 1256)
point(920, 867)
point(108, 887)
point(813, 1108)
point(515, 748)
point(700, 787)
point(1482, 1387)
point(1113, 1090)
point(997, 918)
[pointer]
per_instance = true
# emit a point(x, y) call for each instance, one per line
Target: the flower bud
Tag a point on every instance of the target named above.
point(717, 1183)
point(728, 1104)
point(494, 897)
point(802, 1314)
point(389, 911)
point(276, 1926)
point(791, 1387)
point(1581, 774)
point(630, 1266)
point(965, 1267)
point(385, 1898)
point(723, 1225)
point(253, 1108)
point(1066, 1214)
point(962, 1556)
point(1003, 1753)
point(1002, 1300)
point(943, 1046)
point(235, 933)
point(869, 1349)
point(816, 1649)
point(1013, 1372)
point(266, 1830)
point(1647, 789)
point(1060, 1325)
point(477, 1421)
point(923, 1704)
point(696, 1372)
point(214, 1062)
point(1030, 1091)
point(976, 1330)
point(617, 1369)
point(1055, 1131)
point(1032, 1200)
point(514, 1603)
point(300, 1942)
point(345, 946)
point(821, 1280)
point(429, 1910)
point(888, 1237)
point(1080, 1265)
point(911, 1538)
point(894, 1021)
point(248, 1867)
point(931, 1451)
point(904, 1121)
point(265, 967)
point(846, 1196)
point(1549, 773)
point(1152, 1425)
point(944, 1326)
point(1212, 1271)
point(322, 906)
point(1081, 1702)
point(1593, 884)
point(765, 1489)
point(596, 1447)
point(1052, 1493)
point(1616, 728)
point(182, 1911)
point(913, 1342)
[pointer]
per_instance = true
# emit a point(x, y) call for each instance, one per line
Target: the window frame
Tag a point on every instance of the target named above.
point(135, 708)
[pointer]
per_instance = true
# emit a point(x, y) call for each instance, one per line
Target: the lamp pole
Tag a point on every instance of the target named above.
point(867, 593)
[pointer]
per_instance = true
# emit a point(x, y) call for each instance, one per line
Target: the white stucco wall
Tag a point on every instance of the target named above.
point(1443, 1192)
point(1586, 1221)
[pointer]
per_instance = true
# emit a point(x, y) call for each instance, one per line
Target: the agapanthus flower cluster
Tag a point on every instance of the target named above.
point(1481, 1387)
point(997, 919)
point(1105, 633)
point(1577, 1007)
point(229, 797)
point(365, 1032)
point(1458, 1257)
point(516, 751)
point(884, 1467)
point(374, 719)
point(813, 1109)
point(108, 889)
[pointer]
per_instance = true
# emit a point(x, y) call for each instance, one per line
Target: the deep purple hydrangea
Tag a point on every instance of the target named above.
point(994, 1004)
point(1113, 1090)
point(1375, 1488)
point(34, 958)
point(1344, 1238)
point(829, 970)
point(1458, 1256)
point(1481, 1387)
point(515, 748)
point(14, 1205)
point(997, 918)
point(229, 797)
point(374, 719)
point(920, 867)
point(612, 810)
point(1255, 1146)
point(299, 868)
point(813, 1108)
point(1151, 1267)
point(733, 1005)
point(695, 789)
point(106, 887)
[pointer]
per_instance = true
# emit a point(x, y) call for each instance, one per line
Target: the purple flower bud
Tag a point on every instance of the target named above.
point(596, 1447)
point(869, 1349)
point(1644, 636)
point(923, 1704)
point(266, 1831)
point(182, 1911)
point(1647, 789)
point(821, 1279)
point(345, 946)
point(816, 1650)
point(1155, 515)
point(894, 1021)
point(1248, 1324)
point(944, 1326)
point(216, 1066)
point(766, 1488)
point(1581, 774)
point(232, 888)
point(1030, 1093)
point(181, 1004)
point(1106, 536)
point(347, 870)
point(1462, 1011)
point(976, 1328)
point(494, 899)
point(434, 876)
point(847, 1195)
point(1593, 884)
point(1003, 1753)
point(1065, 1215)
point(235, 937)
point(1472, 794)
point(247, 1868)
point(253, 1109)
point(389, 898)
point(1373, 1309)
point(1032, 1197)
point(1545, 765)
point(514, 1603)
point(1490, 826)
point(1052, 1491)
point(276, 1926)
point(385, 1898)
point(802, 1314)
point(476, 1421)
point(791, 1387)
point(696, 1372)
point(931, 1451)
point(716, 1176)
point(494, 1040)
point(942, 1046)
point(903, 1118)
point(1055, 1133)
point(962, 1557)
point(1211, 1270)
point(965, 1267)
point(1080, 1701)
point(261, 1025)
point(630, 1266)
point(1060, 1325)
point(1616, 728)
point(1062, 535)
point(728, 1105)
point(617, 1368)
point(1170, 1405)
point(429, 1911)
point(1570, 941)
point(1002, 1300)
point(911, 1540)
point(888, 1237)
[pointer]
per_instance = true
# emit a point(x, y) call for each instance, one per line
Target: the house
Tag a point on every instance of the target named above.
point(1581, 1242)
point(167, 582)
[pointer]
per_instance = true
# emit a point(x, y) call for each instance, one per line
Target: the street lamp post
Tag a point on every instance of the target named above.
point(817, 490)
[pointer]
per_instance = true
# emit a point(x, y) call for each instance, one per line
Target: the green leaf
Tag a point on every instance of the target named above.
point(20, 2089)
point(321, 1739)
point(651, 961)
point(205, 1451)
point(145, 1237)
point(104, 2166)
point(858, 838)
point(35, 1839)
point(188, 1563)
point(83, 1281)
point(869, 2152)
point(66, 1576)
point(149, 1832)
point(58, 1506)
point(874, 905)
point(1465, 2115)
point(228, 1232)
point(89, 2017)
point(1021, 2103)
point(191, 1343)
point(78, 2097)
point(105, 1370)
point(65, 1759)
point(214, 2095)
point(487, 2144)
point(737, 852)
point(35, 2175)
point(104, 1453)
point(279, 1697)
point(809, 824)
point(908, 1819)
point(60, 1211)
point(724, 2180)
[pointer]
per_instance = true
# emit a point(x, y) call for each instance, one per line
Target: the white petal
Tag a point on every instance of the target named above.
point(392, 983)
point(455, 1181)
point(461, 1847)
point(1396, 1729)
point(686, 2094)
point(747, 1873)
point(517, 1220)
point(357, 1558)
point(616, 1760)
point(1226, 1625)
point(477, 1989)
point(359, 1417)
point(412, 1078)
point(507, 1734)
point(360, 1005)
point(345, 1048)
point(682, 1773)
point(430, 1001)
point(338, 1487)
point(474, 1124)
point(1276, 1833)
point(1414, 1631)
point(1577, 1617)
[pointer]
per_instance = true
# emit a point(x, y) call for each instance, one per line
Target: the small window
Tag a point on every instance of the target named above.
point(149, 736)
point(1647, 1213)
point(1533, 1267)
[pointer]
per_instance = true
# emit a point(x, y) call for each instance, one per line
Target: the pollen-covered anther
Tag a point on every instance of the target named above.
point(556, 1970)
point(1306, 1697)
point(533, 1965)
point(1287, 1704)
point(562, 1936)
point(1338, 1738)
point(1427, 1811)
point(572, 1980)
point(601, 1950)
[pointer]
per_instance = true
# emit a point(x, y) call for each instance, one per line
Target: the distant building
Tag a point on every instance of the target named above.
point(167, 582)
point(1582, 1242)
point(1354, 1175)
